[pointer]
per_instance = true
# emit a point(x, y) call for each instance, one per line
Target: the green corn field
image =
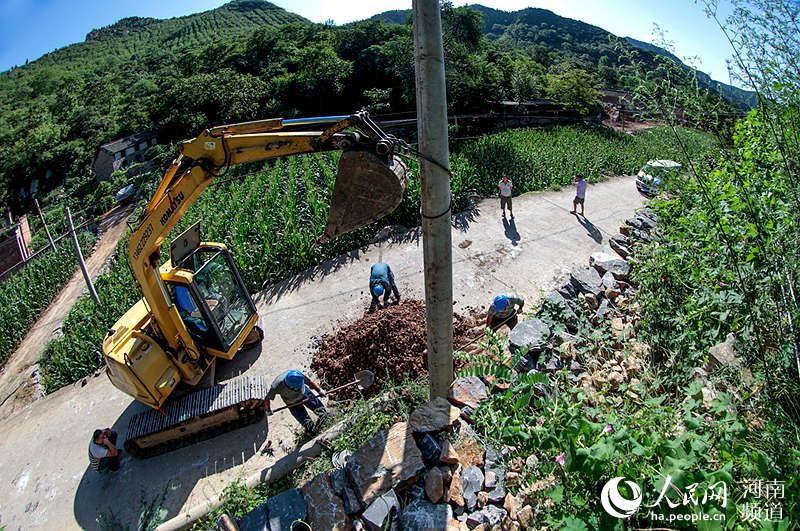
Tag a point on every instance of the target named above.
point(270, 219)
point(27, 294)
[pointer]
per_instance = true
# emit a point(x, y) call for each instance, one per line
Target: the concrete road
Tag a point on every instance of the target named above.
point(43, 451)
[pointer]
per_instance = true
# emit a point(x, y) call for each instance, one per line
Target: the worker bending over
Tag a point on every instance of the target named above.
point(381, 280)
point(292, 387)
point(103, 453)
point(502, 311)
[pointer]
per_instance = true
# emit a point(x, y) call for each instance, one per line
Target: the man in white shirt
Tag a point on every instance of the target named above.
point(505, 186)
point(580, 194)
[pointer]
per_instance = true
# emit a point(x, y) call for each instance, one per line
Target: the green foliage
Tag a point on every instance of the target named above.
point(576, 89)
point(29, 292)
point(571, 448)
point(238, 500)
point(537, 159)
point(250, 59)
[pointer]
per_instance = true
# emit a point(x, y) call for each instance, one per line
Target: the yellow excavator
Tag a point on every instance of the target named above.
point(195, 307)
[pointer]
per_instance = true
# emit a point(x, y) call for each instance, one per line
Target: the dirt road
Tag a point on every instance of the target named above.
point(44, 446)
point(17, 387)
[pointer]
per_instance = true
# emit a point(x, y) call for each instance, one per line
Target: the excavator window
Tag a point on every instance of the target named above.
point(224, 294)
point(190, 313)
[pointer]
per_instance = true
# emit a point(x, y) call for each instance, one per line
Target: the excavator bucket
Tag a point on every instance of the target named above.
point(366, 189)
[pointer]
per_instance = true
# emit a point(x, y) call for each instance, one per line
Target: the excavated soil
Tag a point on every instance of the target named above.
point(390, 342)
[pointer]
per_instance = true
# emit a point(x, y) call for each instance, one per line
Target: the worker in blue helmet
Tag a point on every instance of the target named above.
point(381, 282)
point(294, 387)
point(503, 310)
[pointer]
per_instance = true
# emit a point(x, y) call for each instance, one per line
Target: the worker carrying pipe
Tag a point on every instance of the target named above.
point(381, 281)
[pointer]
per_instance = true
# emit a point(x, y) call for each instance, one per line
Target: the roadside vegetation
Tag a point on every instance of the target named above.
point(29, 292)
point(725, 266)
point(270, 218)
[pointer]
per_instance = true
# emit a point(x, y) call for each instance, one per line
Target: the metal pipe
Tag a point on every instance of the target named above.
point(86, 276)
point(436, 203)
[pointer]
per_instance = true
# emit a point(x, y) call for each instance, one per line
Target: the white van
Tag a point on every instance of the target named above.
point(653, 174)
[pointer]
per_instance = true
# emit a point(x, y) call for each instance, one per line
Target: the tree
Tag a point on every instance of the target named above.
point(576, 89)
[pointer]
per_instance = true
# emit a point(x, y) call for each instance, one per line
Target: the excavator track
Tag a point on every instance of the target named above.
point(197, 416)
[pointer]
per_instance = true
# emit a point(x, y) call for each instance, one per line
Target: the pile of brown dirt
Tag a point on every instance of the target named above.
point(390, 342)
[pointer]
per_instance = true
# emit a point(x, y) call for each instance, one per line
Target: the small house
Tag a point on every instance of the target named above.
point(121, 153)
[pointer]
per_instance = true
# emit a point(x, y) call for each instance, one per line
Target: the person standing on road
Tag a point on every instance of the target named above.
point(381, 281)
point(502, 311)
point(580, 193)
point(505, 185)
point(103, 453)
point(291, 385)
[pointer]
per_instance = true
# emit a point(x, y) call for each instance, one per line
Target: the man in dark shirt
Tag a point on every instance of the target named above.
point(291, 385)
point(381, 280)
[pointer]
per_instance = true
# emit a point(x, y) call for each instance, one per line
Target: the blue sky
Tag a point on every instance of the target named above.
point(31, 28)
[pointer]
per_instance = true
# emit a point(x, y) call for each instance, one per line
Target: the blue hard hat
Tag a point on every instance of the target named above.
point(294, 379)
point(377, 290)
point(500, 302)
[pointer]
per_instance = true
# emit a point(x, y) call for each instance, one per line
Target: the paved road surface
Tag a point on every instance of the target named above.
point(43, 451)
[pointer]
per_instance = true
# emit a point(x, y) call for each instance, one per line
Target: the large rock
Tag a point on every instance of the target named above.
point(724, 354)
point(606, 262)
point(635, 222)
point(381, 511)
point(644, 221)
point(325, 508)
point(491, 516)
point(586, 280)
point(343, 489)
point(422, 515)
point(467, 392)
point(609, 282)
point(434, 415)
point(389, 459)
point(533, 333)
point(471, 483)
point(620, 247)
point(449, 454)
point(286, 508)
point(434, 485)
point(255, 520)
point(455, 494)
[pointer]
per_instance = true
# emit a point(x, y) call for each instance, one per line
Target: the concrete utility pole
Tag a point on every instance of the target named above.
point(436, 236)
point(78, 252)
point(44, 223)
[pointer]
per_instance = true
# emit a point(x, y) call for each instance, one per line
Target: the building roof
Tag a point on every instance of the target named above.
point(121, 144)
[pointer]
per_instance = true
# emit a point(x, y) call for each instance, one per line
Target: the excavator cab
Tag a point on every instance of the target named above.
point(214, 305)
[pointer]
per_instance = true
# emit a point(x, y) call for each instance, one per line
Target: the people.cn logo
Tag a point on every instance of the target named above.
point(615, 504)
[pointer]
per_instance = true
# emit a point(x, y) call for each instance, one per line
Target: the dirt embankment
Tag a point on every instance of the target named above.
point(390, 342)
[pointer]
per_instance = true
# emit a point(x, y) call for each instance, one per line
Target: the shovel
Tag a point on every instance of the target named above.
point(363, 379)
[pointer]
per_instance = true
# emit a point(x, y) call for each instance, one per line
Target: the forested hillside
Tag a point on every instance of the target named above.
point(250, 59)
